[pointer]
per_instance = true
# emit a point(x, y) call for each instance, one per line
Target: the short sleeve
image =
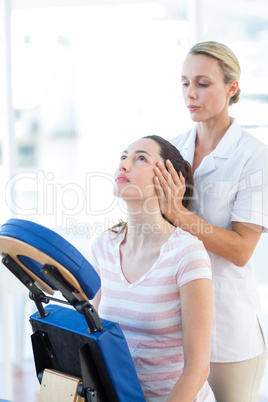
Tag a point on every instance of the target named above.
point(194, 263)
point(251, 203)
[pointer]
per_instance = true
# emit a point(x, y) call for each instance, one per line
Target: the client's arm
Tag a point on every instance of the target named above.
point(96, 301)
point(196, 308)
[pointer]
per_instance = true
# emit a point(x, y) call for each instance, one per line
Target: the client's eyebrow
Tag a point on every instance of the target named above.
point(142, 152)
point(139, 151)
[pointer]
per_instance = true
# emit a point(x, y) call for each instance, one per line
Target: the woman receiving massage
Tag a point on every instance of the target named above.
point(156, 281)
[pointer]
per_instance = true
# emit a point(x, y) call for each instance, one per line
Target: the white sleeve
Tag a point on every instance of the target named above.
point(251, 203)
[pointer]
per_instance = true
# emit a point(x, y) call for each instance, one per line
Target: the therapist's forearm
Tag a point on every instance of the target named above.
point(223, 242)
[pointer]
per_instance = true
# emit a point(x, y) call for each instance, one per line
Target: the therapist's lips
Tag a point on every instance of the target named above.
point(122, 179)
point(193, 108)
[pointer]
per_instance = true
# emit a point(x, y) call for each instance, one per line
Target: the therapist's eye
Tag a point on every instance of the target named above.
point(203, 84)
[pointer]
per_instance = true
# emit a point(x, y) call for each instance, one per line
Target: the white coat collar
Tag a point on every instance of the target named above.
point(223, 150)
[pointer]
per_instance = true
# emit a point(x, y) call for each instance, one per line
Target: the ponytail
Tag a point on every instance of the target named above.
point(119, 227)
point(189, 184)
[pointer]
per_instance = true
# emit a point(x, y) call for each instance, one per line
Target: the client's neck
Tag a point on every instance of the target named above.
point(147, 228)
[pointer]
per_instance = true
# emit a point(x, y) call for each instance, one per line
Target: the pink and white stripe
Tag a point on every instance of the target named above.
point(149, 310)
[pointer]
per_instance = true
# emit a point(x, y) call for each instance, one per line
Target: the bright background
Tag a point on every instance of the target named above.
point(80, 80)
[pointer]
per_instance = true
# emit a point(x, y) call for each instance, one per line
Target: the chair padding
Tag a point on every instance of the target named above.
point(56, 247)
point(110, 342)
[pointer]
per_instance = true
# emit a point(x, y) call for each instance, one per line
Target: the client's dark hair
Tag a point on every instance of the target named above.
point(169, 151)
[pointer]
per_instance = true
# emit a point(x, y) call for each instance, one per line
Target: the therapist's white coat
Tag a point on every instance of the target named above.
point(231, 184)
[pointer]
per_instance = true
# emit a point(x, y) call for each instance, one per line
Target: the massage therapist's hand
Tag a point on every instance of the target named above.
point(170, 189)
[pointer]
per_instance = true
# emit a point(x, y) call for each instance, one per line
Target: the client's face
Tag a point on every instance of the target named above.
point(135, 173)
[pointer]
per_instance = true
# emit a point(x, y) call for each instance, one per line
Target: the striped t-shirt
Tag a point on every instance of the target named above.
point(148, 311)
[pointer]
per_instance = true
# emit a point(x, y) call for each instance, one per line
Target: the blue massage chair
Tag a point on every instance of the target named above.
point(78, 356)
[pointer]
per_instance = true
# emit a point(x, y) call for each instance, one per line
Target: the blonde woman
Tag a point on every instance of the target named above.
point(228, 213)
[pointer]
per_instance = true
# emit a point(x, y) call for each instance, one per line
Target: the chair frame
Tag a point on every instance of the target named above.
point(72, 345)
point(83, 307)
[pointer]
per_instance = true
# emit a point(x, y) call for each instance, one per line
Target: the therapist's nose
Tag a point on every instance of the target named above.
point(191, 92)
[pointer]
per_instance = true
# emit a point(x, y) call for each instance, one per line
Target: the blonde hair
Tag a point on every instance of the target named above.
point(228, 62)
